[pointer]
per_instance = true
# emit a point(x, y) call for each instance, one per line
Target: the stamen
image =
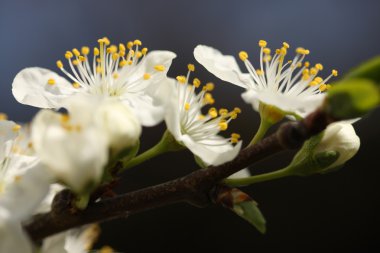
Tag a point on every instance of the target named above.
point(51, 81)
point(16, 128)
point(3, 116)
point(243, 55)
point(159, 68)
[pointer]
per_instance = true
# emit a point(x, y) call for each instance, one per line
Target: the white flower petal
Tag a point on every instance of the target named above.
point(212, 155)
point(31, 87)
point(224, 67)
point(241, 174)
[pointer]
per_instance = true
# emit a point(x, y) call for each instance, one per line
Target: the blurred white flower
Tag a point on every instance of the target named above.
point(126, 72)
point(196, 131)
point(341, 138)
point(291, 86)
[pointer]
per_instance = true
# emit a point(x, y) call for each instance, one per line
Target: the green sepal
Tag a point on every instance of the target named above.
point(352, 98)
point(367, 70)
point(249, 211)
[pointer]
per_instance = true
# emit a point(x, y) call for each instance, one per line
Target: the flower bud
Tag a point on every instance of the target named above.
point(119, 124)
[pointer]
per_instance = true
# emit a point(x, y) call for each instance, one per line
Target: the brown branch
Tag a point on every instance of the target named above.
point(199, 188)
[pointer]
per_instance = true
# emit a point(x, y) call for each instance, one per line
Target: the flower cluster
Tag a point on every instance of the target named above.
point(92, 119)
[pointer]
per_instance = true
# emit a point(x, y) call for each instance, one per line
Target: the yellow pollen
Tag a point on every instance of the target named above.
point(139, 54)
point(115, 76)
point(82, 58)
point(313, 71)
point(201, 116)
point(104, 40)
point(319, 66)
point(243, 55)
point(129, 44)
point(122, 53)
point(278, 51)
point(223, 126)
point(323, 87)
point(146, 76)
point(305, 77)
point(313, 83)
point(283, 51)
point(196, 82)
point(286, 45)
point(137, 42)
point(17, 178)
point(59, 64)
point(112, 49)
point(76, 52)
point(106, 249)
point(334, 72)
point(267, 58)
point(237, 110)
point(209, 86)
point(65, 118)
point(307, 64)
point(96, 51)
point(181, 79)
point(187, 106)
point(223, 111)
point(131, 53)
point(235, 135)
point(51, 81)
point(16, 128)
point(115, 56)
point(266, 50)
point(262, 43)
point(191, 67)
point(159, 68)
point(68, 55)
point(121, 47)
point(129, 62)
point(3, 116)
point(144, 51)
point(305, 72)
point(208, 99)
point(318, 79)
point(76, 85)
point(75, 62)
point(122, 63)
point(99, 69)
point(213, 112)
point(301, 50)
point(259, 72)
point(85, 50)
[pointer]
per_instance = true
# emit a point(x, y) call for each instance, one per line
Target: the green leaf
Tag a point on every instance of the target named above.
point(367, 70)
point(249, 211)
point(352, 98)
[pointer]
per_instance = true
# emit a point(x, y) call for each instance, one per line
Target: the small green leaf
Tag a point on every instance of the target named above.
point(352, 98)
point(249, 211)
point(367, 70)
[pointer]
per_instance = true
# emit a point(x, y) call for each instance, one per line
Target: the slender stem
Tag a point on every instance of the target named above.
point(259, 178)
point(263, 128)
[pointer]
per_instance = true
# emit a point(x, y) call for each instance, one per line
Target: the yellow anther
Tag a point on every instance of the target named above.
point(299, 64)
point(76, 85)
point(181, 79)
point(235, 135)
point(301, 50)
point(278, 51)
point(223, 126)
point(144, 51)
point(262, 43)
point(286, 45)
point(234, 140)
point(259, 72)
point(85, 50)
point(313, 71)
point(75, 62)
point(122, 53)
point(243, 55)
point(96, 51)
point(307, 51)
point(223, 111)
point(3, 116)
point(146, 76)
point(283, 51)
point(319, 66)
point(104, 40)
point(121, 47)
point(82, 58)
point(115, 75)
point(266, 50)
point(123, 63)
point(328, 86)
point(313, 83)
point(187, 106)
point(137, 42)
point(323, 87)
point(191, 67)
point(106, 249)
point(307, 64)
point(115, 56)
point(196, 82)
point(334, 72)
point(201, 116)
point(237, 110)
point(305, 72)
point(129, 62)
point(131, 53)
point(305, 77)
point(64, 118)
point(208, 99)
point(98, 69)
point(139, 54)
point(59, 64)
point(16, 128)
point(51, 81)
point(267, 58)
point(209, 86)
point(98, 60)
point(76, 52)
point(318, 79)
point(112, 49)
point(159, 68)
point(233, 115)
point(68, 55)
point(213, 112)
point(129, 44)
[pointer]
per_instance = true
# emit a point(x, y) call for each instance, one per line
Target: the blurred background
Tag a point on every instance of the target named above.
point(336, 212)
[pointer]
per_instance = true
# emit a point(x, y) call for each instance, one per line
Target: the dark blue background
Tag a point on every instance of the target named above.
point(336, 212)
